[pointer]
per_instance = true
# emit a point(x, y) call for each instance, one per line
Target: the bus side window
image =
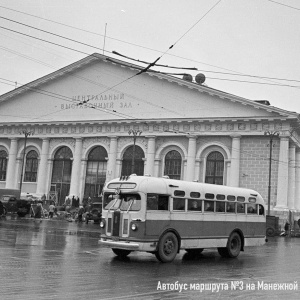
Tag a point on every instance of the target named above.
point(240, 208)
point(261, 210)
point(152, 202)
point(220, 206)
point(230, 207)
point(163, 202)
point(208, 205)
point(251, 209)
point(178, 204)
point(194, 205)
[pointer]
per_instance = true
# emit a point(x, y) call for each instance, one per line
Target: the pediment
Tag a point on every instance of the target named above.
point(98, 88)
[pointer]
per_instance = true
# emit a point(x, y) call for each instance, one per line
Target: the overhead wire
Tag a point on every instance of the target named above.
point(115, 52)
point(87, 54)
point(158, 58)
point(279, 3)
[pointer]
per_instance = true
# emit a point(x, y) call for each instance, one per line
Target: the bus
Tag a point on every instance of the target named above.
point(163, 216)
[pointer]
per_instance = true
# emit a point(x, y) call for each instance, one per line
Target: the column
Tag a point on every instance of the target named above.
point(82, 179)
point(235, 160)
point(11, 178)
point(157, 162)
point(49, 174)
point(42, 172)
point(76, 168)
point(291, 178)
point(197, 169)
point(228, 168)
point(297, 181)
point(283, 172)
point(191, 159)
point(150, 156)
point(112, 159)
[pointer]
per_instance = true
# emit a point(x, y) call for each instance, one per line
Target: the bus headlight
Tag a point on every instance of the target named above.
point(134, 227)
point(102, 224)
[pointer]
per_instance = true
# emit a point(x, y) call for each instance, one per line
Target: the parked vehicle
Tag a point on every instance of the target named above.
point(13, 205)
point(95, 212)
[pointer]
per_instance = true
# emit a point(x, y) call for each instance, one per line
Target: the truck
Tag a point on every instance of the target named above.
point(10, 198)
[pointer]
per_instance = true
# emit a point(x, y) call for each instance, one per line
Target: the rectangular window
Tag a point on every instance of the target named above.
point(208, 206)
point(240, 208)
point(220, 206)
point(194, 205)
point(251, 209)
point(157, 202)
point(230, 207)
point(220, 197)
point(178, 204)
point(230, 198)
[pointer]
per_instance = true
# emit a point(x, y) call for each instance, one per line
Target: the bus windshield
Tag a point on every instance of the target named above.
point(124, 202)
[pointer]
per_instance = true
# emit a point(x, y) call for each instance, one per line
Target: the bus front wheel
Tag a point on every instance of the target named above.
point(233, 247)
point(121, 252)
point(167, 247)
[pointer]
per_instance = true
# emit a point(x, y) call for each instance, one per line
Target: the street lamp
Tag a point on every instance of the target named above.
point(26, 133)
point(271, 134)
point(135, 133)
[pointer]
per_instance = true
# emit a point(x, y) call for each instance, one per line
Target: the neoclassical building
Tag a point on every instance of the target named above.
point(79, 118)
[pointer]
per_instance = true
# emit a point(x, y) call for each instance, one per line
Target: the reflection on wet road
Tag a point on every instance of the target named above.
point(61, 260)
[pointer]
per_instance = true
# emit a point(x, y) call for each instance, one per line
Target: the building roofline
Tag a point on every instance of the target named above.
point(179, 81)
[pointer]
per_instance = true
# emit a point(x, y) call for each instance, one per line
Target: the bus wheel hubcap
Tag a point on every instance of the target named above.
point(169, 246)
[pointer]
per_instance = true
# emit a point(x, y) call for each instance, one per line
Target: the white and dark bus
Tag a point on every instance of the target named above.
point(163, 216)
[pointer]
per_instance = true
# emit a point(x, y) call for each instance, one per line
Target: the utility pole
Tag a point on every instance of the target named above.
point(271, 134)
point(26, 133)
point(135, 133)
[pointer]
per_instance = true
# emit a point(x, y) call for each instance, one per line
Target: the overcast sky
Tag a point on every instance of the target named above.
point(257, 38)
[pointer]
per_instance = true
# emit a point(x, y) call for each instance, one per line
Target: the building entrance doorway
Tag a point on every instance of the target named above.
point(61, 173)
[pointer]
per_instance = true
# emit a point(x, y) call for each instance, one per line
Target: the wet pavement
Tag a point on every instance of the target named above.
point(56, 259)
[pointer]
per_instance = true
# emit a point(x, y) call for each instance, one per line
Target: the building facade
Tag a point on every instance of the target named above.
point(76, 122)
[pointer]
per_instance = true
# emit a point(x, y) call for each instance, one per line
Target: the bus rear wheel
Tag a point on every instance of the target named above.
point(233, 247)
point(121, 252)
point(167, 247)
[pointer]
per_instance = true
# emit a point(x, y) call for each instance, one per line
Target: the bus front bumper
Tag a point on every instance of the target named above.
point(120, 244)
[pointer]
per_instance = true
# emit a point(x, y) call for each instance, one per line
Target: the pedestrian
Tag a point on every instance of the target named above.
point(38, 211)
point(80, 213)
point(287, 228)
point(77, 201)
point(1, 209)
point(51, 210)
point(73, 202)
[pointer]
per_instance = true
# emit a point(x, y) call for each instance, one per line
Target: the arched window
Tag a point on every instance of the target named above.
point(137, 161)
point(95, 172)
point(61, 173)
point(3, 165)
point(173, 161)
point(214, 168)
point(31, 166)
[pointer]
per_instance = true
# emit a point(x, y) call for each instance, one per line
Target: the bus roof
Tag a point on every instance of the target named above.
point(164, 185)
